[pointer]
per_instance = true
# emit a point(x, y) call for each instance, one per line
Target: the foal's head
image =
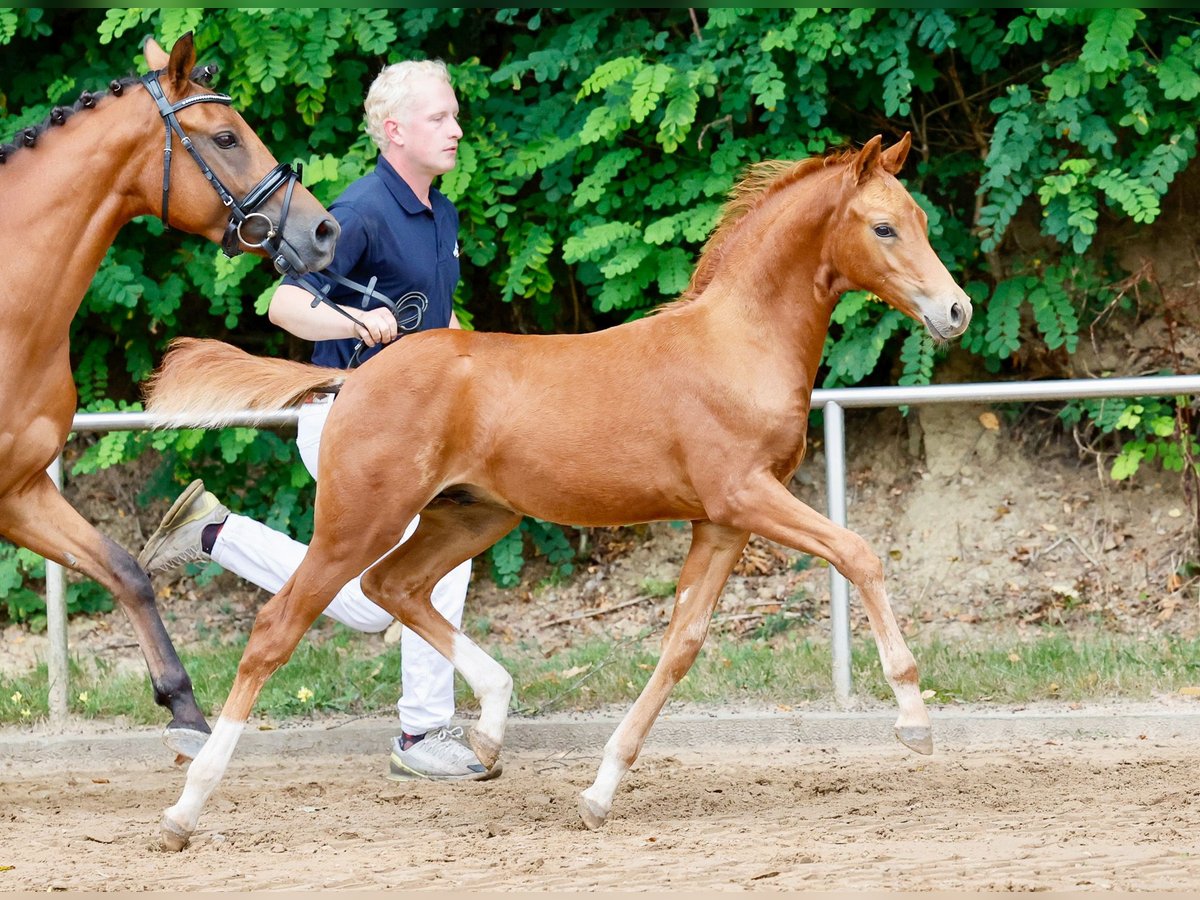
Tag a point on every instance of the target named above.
point(240, 161)
point(880, 244)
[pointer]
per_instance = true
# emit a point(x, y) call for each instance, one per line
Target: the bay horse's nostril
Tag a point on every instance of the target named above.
point(325, 234)
point(956, 314)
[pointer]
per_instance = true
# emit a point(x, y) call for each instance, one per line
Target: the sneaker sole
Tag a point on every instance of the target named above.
point(169, 523)
point(397, 771)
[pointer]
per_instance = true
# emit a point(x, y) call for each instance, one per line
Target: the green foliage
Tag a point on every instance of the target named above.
point(1148, 429)
point(548, 540)
point(600, 145)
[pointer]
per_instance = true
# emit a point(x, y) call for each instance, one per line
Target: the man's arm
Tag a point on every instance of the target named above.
point(292, 310)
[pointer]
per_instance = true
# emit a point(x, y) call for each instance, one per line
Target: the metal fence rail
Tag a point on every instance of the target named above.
point(832, 401)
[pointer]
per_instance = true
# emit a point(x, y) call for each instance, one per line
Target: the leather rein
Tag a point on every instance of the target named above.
point(282, 176)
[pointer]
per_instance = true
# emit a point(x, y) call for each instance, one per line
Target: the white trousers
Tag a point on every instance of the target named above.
point(267, 558)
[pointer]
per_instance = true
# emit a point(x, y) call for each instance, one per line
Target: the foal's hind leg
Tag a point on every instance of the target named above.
point(403, 582)
point(39, 518)
point(713, 553)
point(767, 508)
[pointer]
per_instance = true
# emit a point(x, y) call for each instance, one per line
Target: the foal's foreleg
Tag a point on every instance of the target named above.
point(278, 628)
point(403, 582)
point(713, 553)
point(39, 518)
point(767, 508)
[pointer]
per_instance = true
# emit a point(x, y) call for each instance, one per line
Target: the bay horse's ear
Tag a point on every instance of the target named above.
point(893, 157)
point(181, 63)
point(156, 56)
point(868, 158)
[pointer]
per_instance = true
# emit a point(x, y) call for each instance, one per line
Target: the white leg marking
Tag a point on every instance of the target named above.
point(490, 682)
point(205, 773)
point(608, 779)
point(683, 598)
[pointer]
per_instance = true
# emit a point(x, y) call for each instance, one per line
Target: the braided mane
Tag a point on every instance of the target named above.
point(28, 137)
point(762, 181)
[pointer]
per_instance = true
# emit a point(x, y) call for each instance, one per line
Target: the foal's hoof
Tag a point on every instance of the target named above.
point(918, 738)
point(185, 742)
point(593, 814)
point(172, 837)
point(486, 750)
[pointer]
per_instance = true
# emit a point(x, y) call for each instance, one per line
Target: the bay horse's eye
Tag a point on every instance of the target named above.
point(225, 140)
point(885, 231)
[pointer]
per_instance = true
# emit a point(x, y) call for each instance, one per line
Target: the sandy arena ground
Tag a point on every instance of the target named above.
point(1029, 814)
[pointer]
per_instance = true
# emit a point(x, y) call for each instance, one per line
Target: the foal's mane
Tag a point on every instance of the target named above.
point(27, 137)
point(762, 181)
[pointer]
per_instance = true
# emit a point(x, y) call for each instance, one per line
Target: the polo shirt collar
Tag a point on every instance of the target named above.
point(399, 189)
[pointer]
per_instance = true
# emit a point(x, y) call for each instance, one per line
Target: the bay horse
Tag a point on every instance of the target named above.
point(66, 188)
point(697, 413)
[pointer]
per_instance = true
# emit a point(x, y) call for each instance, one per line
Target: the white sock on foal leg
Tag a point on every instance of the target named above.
point(493, 686)
point(203, 776)
point(596, 802)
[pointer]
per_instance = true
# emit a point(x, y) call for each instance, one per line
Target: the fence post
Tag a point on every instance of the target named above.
point(839, 588)
point(56, 626)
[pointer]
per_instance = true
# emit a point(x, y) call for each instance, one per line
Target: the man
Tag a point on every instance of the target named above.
point(399, 229)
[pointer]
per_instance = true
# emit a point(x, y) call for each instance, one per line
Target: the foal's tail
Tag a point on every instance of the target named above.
point(202, 383)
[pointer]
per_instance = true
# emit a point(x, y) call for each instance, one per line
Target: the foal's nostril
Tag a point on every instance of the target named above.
point(956, 314)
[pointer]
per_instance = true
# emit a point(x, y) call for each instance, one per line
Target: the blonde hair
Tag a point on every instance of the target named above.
point(391, 93)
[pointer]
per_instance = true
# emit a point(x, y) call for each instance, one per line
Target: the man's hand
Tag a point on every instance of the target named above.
point(378, 326)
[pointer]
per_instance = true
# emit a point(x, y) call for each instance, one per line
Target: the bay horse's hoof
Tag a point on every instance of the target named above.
point(172, 837)
point(486, 750)
point(593, 814)
point(185, 742)
point(918, 738)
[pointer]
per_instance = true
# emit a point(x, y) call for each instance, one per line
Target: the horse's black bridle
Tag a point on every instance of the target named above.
point(282, 176)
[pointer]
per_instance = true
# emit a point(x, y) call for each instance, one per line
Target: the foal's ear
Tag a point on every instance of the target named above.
point(181, 63)
point(868, 158)
point(892, 159)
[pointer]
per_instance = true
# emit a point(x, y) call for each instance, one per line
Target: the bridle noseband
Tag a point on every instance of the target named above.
point(239, 213)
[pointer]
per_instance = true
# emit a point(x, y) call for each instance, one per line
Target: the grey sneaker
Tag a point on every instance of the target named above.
point(177, 539)
point(440, 756)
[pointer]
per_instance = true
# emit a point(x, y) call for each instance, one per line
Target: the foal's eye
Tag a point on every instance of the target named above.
point(885, 231)
point(225, 140)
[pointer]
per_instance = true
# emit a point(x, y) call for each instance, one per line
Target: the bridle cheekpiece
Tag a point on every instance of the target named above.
point(239, 213)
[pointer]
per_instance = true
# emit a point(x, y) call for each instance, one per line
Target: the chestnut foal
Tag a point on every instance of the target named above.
point(698, 412)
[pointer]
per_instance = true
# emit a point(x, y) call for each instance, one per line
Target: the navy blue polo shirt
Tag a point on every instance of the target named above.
point(390, 234)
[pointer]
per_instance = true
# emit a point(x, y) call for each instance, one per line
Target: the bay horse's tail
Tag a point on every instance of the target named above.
point(202, 383)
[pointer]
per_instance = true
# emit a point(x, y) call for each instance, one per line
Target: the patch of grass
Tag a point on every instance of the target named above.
point(343, 673)
point(652, 587)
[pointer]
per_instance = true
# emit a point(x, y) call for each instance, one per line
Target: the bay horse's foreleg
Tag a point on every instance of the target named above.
point(710, 559)
point(403, 582)
point(767, 508)
point(39, 518)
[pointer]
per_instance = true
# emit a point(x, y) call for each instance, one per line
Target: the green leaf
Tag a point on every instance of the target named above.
point(609, 73)
point(674, 271)
point(1108, 36)
point(1177, 75)
point(648, 87)
point(454, 183)
point(8, 25)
